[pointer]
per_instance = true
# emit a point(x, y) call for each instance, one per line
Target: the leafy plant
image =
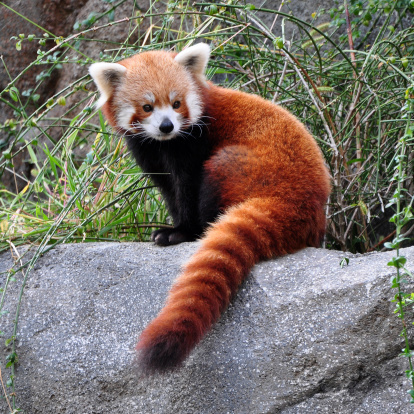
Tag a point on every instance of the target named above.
point(84, 187)
point(365, 17)
point(401, 218)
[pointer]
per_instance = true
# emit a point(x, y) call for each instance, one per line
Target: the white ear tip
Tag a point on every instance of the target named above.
point(195, 59)
point(96, 69)
point(106, 75)
point(205, 49)
point(93, 69)
point(202, 47)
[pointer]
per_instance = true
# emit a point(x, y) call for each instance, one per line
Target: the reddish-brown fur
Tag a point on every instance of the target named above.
point(273, 188)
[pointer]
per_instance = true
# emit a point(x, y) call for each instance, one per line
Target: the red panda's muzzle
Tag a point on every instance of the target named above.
point(166, 126)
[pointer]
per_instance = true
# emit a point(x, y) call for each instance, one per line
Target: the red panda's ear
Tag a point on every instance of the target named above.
point(107, 77)
point(195, 59)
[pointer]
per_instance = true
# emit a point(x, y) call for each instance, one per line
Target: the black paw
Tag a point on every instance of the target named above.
point(167, 237)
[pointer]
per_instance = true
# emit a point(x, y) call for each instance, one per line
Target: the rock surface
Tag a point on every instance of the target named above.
point(302, 336)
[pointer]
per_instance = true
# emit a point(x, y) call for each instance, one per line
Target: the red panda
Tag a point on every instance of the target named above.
point(234, 169)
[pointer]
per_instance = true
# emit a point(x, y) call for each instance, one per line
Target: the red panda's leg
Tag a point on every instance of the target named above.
point(170, 236)
point(180, 190)
point(209, 201)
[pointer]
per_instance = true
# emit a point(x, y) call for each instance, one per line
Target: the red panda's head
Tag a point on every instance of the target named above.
point(154, 93)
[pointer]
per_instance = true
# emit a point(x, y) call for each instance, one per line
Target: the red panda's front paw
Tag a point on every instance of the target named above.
point(167, 237)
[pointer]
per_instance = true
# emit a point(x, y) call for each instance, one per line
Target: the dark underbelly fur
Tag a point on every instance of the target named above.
point(176, 167)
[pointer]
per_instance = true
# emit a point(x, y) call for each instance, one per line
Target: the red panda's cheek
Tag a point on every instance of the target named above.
point(124, 115)
point(140, 115)
point(183, 111)
point(109, 113)
point(135, 121)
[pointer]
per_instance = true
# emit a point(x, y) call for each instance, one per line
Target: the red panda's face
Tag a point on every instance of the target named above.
point(153, 94)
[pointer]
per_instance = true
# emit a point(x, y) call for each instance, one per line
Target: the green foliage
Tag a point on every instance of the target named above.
point(365, 15)
point(401, 218)
point(349, 80)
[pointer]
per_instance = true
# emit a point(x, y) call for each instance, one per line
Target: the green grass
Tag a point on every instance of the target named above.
point(350, 91)
point(350, 100)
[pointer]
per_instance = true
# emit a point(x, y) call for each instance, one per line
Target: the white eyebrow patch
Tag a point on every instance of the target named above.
point(149, 96)
point(172, 95)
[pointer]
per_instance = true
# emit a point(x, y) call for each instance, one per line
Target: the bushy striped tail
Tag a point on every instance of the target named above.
point(247, 233)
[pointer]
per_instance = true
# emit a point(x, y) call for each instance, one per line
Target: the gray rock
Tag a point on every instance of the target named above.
point(303, 335)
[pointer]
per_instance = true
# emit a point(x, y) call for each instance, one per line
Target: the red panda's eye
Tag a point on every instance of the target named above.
point(147, 108)
point(176, 104)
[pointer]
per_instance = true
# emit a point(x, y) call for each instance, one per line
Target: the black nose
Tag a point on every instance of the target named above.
point(166, 126)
